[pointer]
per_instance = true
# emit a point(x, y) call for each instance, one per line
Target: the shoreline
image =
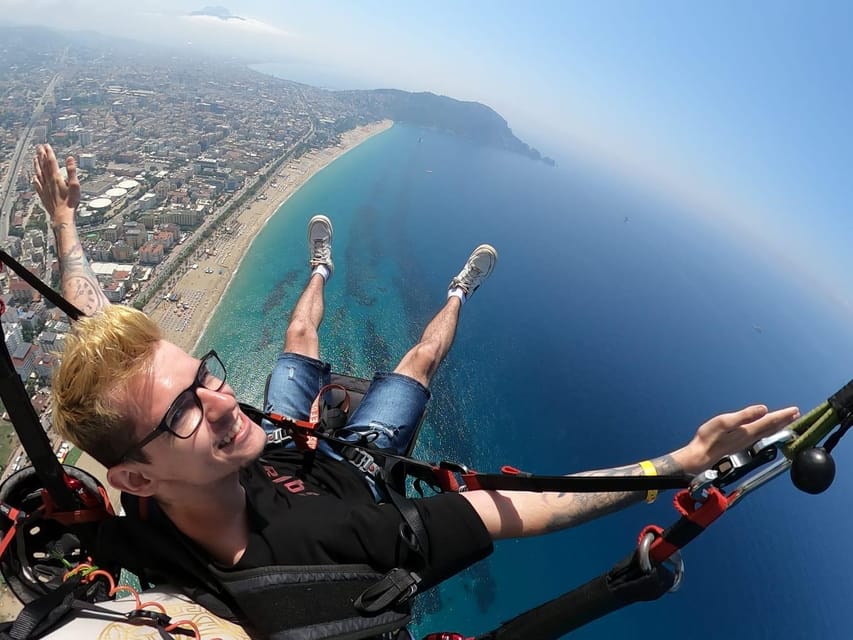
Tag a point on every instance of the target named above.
point(202, 292)
point(201, 288)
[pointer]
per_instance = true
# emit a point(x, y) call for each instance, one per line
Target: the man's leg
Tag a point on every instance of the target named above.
point(301, 335)
point(395, 402)
point(422, 360)
point(299, 374)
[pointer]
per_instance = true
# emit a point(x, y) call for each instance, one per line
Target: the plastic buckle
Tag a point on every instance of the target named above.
point(146, 616)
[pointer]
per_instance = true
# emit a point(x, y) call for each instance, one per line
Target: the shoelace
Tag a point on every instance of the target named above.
point(470, 275)
point(321, 252)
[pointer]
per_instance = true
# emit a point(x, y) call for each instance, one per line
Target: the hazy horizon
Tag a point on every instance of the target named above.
point(740, 111)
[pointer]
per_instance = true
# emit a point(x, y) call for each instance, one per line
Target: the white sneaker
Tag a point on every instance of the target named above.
point(320, 242)
point(480, 264)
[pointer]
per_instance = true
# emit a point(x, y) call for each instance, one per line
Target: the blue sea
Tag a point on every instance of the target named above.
point(613, 325)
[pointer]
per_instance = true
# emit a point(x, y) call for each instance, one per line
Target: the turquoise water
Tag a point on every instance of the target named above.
point(597, 342)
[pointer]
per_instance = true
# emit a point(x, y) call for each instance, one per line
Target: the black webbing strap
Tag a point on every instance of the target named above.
point(69, 309)
point(842, 403)
point(31, 434)
point(624, 584)
point(842, 400)
point(43, 613)
point(20, 409)
point(394, 588)
point(573, 484)
point(442, 474)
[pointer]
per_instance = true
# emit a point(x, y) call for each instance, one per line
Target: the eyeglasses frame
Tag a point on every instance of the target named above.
point(162, 428)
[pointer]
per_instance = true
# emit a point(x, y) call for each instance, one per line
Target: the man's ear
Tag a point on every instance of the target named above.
point(131, 478)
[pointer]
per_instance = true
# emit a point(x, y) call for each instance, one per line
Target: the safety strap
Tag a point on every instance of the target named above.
point(31, 434)
point(451, 476)
point(48, 611)
point(626, 583)
point(69, 309)
point(20, 409)
point(695, 519)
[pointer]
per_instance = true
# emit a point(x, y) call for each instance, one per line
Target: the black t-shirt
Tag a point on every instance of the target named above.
point(324, 513)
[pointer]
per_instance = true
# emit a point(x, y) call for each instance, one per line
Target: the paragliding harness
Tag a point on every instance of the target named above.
point(56, 515)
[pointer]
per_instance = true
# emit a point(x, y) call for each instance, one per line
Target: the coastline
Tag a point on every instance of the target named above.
point(201, 289)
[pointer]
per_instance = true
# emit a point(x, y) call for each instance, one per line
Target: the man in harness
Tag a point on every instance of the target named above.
point(169, 429)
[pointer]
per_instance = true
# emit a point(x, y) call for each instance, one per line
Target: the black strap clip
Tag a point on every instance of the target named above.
point(149, 617)
point(394, 588)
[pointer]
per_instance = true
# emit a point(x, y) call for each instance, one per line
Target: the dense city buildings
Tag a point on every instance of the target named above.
point(167, 149)
point(170, 150)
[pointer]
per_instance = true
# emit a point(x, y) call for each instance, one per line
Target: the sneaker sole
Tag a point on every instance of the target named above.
point(487, 248)
point(325, 219)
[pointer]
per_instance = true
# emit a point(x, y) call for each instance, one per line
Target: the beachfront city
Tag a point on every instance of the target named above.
point(181, 162)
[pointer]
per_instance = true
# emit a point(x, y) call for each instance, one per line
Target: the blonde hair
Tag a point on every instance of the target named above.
point(102, 354)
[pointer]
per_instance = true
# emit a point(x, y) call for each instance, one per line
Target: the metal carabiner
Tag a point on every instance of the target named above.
point(675, 560)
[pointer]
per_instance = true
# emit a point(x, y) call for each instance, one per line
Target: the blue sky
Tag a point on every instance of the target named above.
point(742, 109)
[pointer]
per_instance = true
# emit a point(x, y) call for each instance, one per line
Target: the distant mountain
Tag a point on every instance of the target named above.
point(471, 120)
point(216, 12)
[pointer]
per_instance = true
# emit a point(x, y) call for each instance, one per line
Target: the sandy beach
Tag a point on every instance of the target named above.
point(200, 289)
point(201, 282)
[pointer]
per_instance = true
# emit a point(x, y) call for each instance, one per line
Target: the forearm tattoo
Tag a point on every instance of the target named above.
point(79, 283)
point(571, 509)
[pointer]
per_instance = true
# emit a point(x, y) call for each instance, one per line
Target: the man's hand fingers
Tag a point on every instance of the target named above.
point(50, 159)
point(36, 174)
point(772, 422)
point(744, 416)
point(71, 168)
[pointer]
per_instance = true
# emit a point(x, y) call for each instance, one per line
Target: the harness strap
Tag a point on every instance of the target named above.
point(69, 309)
point(514, 480)
point(31, 434)
point(16, 516)
point(626, 583)
point(694, 520)
point(394, 588)
point(45, 612)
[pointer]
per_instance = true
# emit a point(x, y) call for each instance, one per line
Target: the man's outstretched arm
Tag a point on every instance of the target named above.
point(512, 514)
point(60, 198)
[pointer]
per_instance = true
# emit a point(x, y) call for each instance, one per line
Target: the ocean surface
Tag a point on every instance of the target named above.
point(613, 325)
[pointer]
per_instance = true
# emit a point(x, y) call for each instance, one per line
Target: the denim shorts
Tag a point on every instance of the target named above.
point(389, 413)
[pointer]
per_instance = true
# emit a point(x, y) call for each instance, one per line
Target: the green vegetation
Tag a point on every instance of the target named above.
point(471, 120)
point(73, 456)
point(8, 441)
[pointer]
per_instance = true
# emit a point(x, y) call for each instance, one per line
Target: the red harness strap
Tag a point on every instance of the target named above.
point(15, 516)
point(695, 518)
point(304, 436)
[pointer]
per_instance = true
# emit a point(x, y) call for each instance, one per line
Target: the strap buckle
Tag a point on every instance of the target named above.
point(147, 616)
point(277, 436)
point(364, 462)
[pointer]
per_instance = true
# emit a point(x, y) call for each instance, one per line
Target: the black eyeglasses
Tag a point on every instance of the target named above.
point(185, 414)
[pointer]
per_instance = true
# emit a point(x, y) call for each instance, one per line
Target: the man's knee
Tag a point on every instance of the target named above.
point(420, 362)
point(301, 337)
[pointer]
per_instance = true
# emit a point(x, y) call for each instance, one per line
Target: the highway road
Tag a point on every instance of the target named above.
point(19, 157)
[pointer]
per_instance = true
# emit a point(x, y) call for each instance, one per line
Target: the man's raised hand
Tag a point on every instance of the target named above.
point(60, 196)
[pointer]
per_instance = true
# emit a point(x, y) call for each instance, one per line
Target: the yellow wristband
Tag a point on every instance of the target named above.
point(649, 470)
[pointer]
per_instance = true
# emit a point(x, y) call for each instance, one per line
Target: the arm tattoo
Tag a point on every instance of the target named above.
point(79, 283)
point(570, 509)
